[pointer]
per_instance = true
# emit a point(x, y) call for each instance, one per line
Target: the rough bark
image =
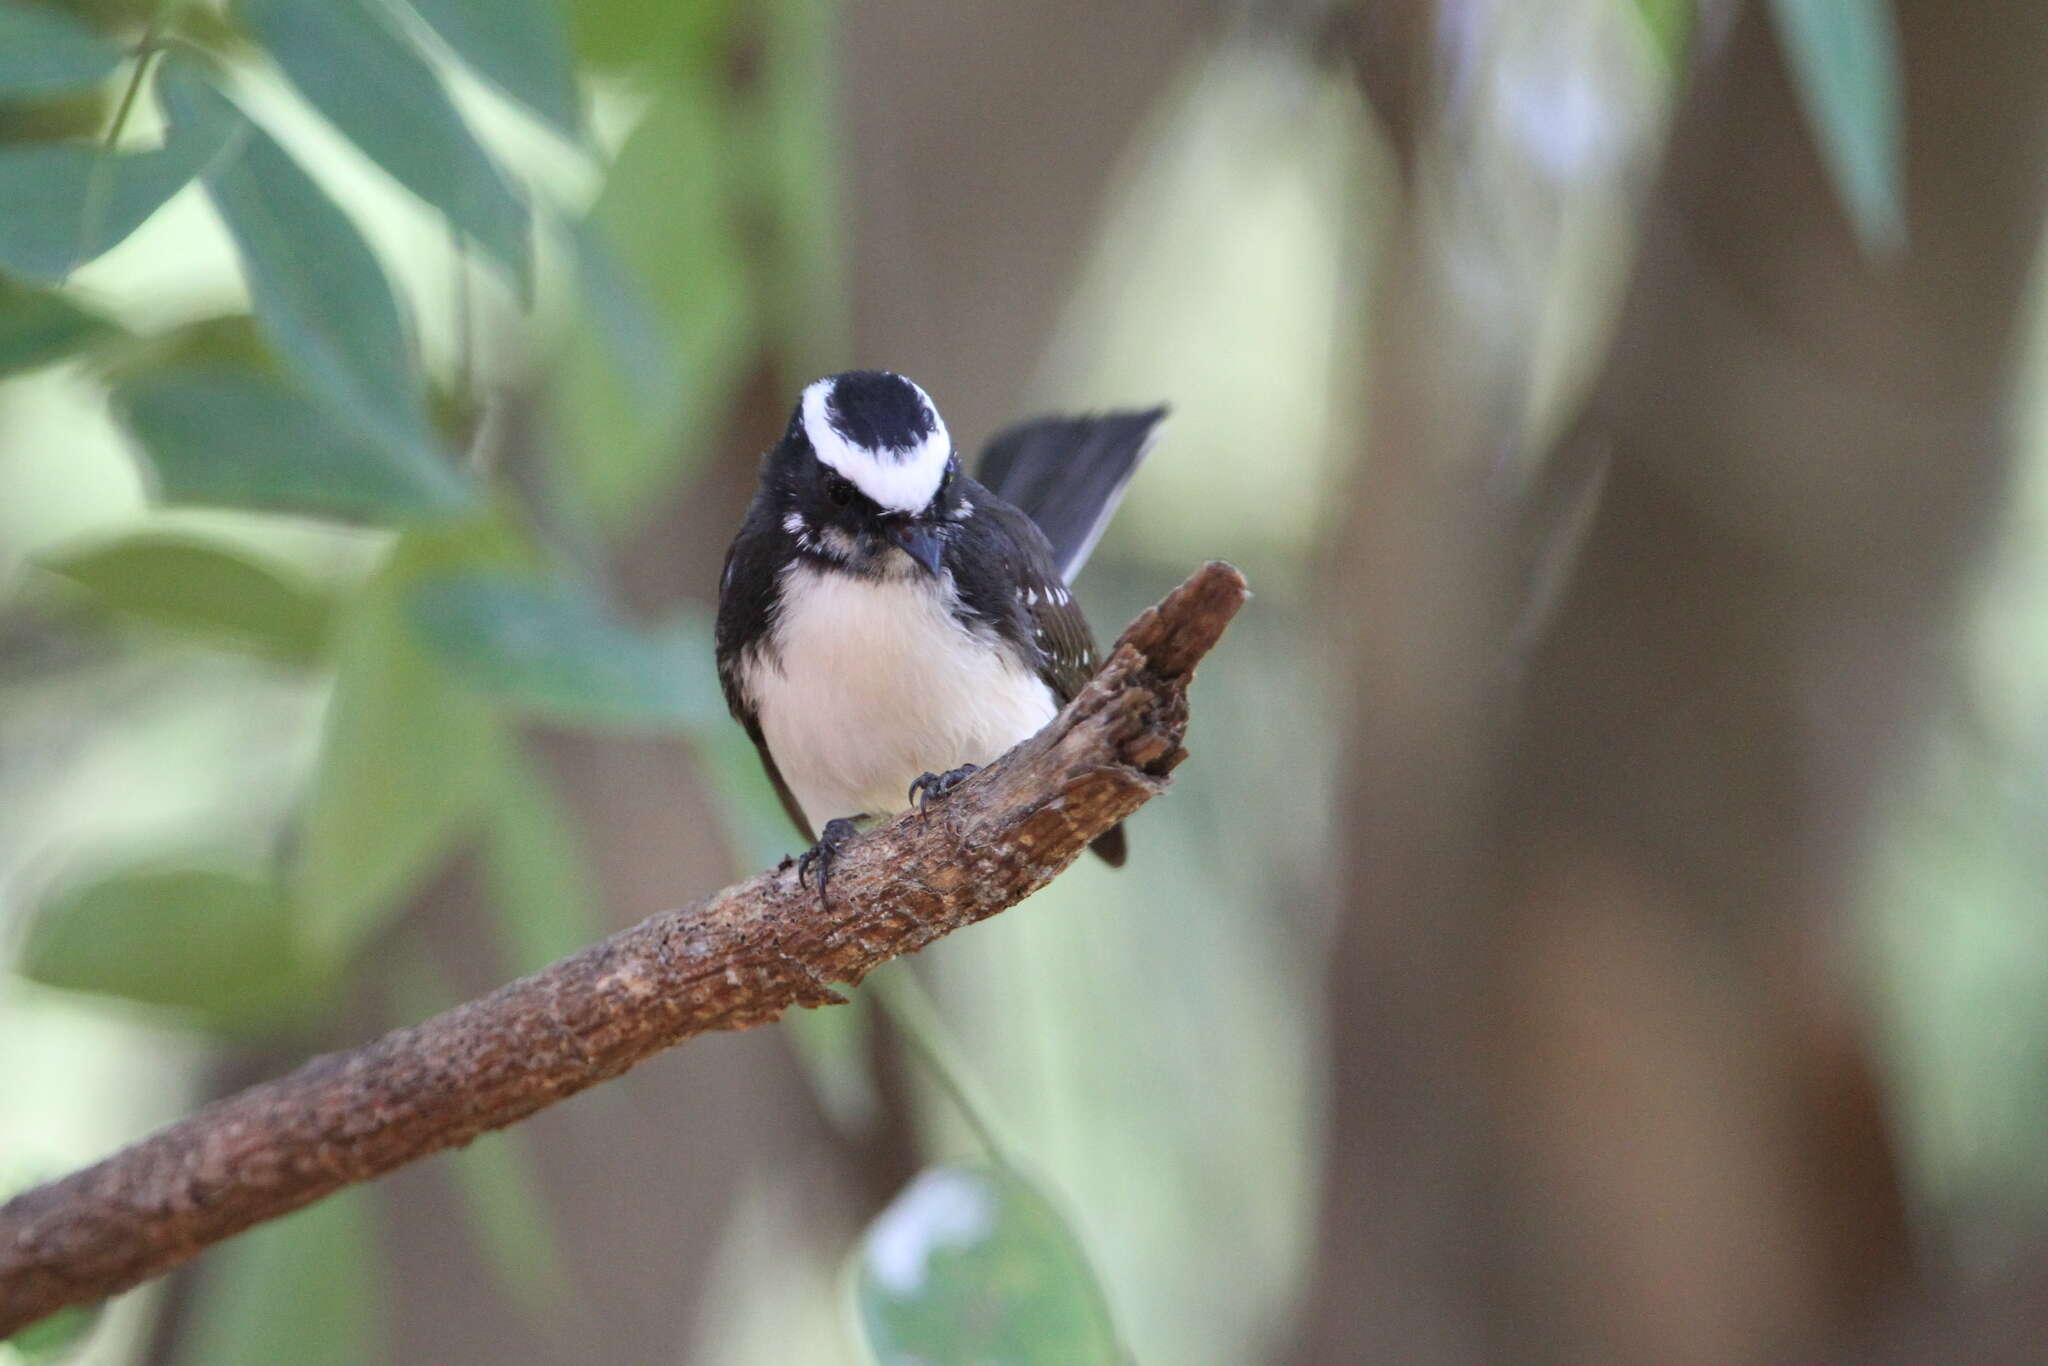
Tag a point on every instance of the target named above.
point(734, 960)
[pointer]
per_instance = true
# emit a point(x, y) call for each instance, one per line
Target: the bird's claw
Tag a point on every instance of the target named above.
point(830, 841)
point(927, 788)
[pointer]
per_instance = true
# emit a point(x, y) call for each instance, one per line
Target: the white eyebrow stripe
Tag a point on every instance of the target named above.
point(899, 479)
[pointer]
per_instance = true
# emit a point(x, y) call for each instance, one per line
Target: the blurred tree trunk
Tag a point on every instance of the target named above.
point(981, 140)
point(1604, 1092)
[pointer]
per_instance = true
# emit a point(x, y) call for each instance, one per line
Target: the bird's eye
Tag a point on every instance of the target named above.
point(839, 490)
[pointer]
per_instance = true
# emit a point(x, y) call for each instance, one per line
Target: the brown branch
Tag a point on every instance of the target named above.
point(734, 960)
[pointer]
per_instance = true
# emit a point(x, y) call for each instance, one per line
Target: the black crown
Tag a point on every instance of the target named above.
point(878, 411)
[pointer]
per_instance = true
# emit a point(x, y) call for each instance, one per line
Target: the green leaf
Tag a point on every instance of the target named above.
point(350, 62)
point(219, 944)
point(757, 827)
point(671, 209)
point(44, 51)
point(555, 649)
point(498, 1179)
point(245, 439)
point(971, 1263)
point(520, 46)
point(1845, 62)
point(405, 759)
point(51, 190)
point(302, 1289)
point(799, 171)
point(201, 586)
point(639, 344)
point(643, 32)
point(1668, 25)
point(540, 883)
point(318, 291)
point(834, 1049)
point(220, 341)
point(49, 1341)
point(41, 327)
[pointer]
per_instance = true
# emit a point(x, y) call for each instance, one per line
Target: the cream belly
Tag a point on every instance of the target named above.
point(867, 683)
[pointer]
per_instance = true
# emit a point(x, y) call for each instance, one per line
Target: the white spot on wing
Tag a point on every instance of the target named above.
point(902, 479)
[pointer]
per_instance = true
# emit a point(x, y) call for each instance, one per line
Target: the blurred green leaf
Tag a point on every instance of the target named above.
point(317, 288)
point(499, 1181)
point(245, 439)
point(756, 826)
point(350, 62)
point(520, 46)
point(1669, 25)
point(833, 1047)
point(554, 648)
point(51, 1340)
point(615, 299)
point(221, 341)
point(44, 51)
point(48, 190)
point(219, 944)
point(648, 32)
point(302, 1289)
point(202, 586)
point(406, 755)
point(972, 1263)
point(798, 169)
point(670, 208)
point(539, 880)
point(40, 327)
point(1845, 63)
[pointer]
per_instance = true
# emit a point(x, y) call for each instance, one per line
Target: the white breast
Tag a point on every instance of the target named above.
point(867, 683)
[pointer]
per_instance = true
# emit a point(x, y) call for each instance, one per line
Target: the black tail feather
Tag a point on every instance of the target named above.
point(1067, 474)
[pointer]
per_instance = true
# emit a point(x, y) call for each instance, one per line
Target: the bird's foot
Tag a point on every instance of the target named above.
point(820, 855)
point(929, 787)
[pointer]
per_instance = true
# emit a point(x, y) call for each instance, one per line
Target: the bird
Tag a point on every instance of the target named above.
point(889, 624)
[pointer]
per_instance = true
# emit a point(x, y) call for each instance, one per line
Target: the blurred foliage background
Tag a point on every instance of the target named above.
point(380, 381)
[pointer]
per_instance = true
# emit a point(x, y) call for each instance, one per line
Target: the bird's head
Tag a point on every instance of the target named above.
point(866, 475)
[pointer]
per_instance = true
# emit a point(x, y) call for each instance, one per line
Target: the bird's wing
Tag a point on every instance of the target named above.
point(1013, 582)
point(1066, 643)
point(746, 604)
point(1067, 474)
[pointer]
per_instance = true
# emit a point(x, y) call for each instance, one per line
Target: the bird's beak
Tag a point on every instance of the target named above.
point(919, 541)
